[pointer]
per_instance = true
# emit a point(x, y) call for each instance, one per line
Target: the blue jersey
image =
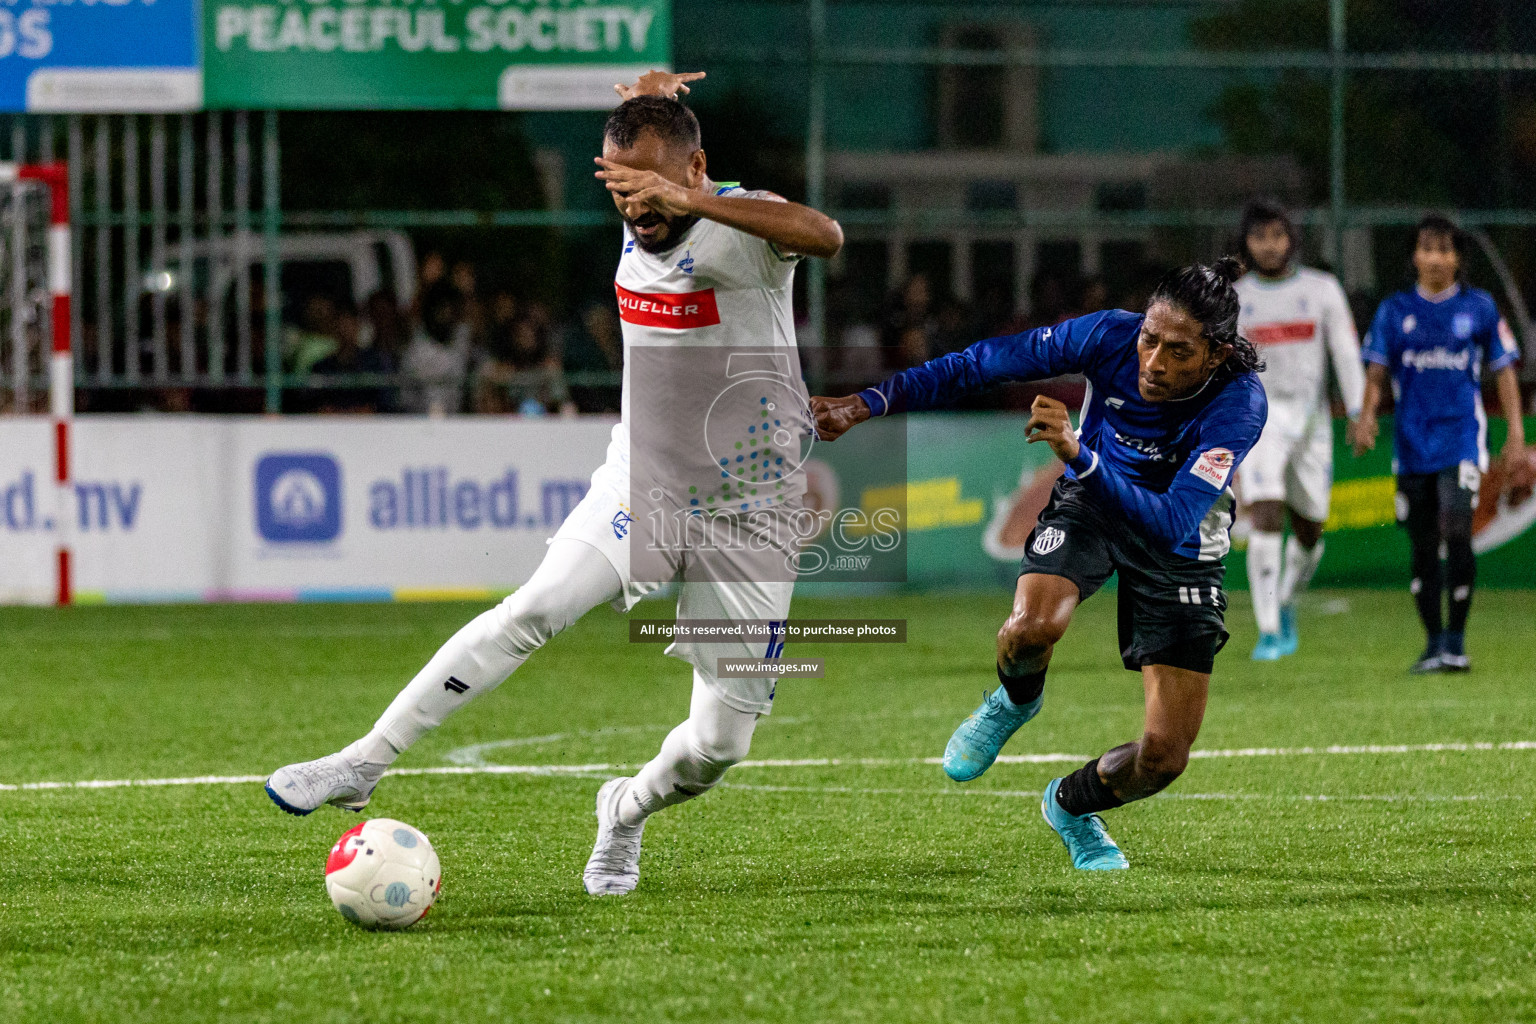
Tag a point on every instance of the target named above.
point(1163, 466)
point(1435, 352)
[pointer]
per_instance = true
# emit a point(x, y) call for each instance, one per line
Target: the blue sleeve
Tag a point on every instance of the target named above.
point(1500, 348)
point(1378, 343)
point(1228, 430)
point(1045, 352)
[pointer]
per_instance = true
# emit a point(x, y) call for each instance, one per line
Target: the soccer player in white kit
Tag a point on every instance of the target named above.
point(705, 266)
point(1292, 313)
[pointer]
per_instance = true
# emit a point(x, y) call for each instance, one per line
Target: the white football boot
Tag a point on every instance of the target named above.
point(338, 779)
point(614, 867)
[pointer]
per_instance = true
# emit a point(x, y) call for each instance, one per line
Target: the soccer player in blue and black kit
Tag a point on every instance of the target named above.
point(1432, 343)
point(1174, 404)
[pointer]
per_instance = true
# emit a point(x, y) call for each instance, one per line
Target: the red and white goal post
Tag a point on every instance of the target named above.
point(61, 361)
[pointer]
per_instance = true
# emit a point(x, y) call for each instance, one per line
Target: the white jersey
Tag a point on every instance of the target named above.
point(1291, 321)
point(731, 293)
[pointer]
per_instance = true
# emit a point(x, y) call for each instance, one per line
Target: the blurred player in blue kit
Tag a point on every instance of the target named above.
point(1174, 405)
point(1432, 343)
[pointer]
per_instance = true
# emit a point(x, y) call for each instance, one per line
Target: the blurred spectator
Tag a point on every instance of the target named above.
point(428, 276)
point(860, 362)
point(1092, 295)
point(596, 347)
point(314, 338)
point(909, 328)
point(386, 326)
point(436, 363)
point(349, 359)
point(522, 371)
point(462, 279)
point(955, 327)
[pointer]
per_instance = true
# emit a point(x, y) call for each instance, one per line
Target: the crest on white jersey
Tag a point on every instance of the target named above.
point(1048, 540)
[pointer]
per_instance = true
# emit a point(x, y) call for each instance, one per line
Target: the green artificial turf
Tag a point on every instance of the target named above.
point(877, 892)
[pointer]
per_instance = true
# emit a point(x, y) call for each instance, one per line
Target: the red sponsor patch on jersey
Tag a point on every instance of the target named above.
point(344, 851)
point(1282, 333)
point(677, 310)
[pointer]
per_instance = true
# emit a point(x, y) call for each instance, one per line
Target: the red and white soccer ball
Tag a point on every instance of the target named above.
point(383, 874)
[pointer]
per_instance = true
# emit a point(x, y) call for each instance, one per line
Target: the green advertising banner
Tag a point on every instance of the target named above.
point(974, 489)
point(429, 54)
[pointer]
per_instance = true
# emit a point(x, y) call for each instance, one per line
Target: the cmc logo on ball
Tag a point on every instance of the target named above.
point(298, 498)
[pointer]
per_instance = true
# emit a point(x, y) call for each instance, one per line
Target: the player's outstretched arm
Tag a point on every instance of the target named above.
point(1067, 347)
point(836, 416)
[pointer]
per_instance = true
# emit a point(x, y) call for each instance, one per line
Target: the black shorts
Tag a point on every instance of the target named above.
point(1172, 609)
point(1439, 504)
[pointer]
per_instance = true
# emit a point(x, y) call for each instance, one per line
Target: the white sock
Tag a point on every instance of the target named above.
point(573, 578)
point(1264, 579)
point(693, 757)
point(1300, 566)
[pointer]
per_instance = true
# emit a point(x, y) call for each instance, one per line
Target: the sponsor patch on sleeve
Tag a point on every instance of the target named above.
point(1214, 466)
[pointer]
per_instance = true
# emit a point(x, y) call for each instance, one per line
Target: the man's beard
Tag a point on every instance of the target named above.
point(677, 227)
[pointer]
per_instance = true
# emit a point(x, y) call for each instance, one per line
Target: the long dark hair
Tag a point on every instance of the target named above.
point(1205, 292)
point(1259, 212)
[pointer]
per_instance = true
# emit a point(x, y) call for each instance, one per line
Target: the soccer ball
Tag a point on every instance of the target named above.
point(383, 874)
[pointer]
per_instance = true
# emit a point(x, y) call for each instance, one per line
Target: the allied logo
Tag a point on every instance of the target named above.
point(1437, 358)
point(456, 685)
point(298, 498)
point(1048, 540)
point(621, 521)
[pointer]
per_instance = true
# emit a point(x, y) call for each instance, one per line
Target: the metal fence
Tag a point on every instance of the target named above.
point(1362, 113)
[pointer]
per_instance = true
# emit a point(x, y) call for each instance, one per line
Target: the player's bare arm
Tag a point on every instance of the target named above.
point(1050, 422)
point(1509, 402)
point(793, 227)
point(836, 416)
point(666, 84)
point(1363, 430)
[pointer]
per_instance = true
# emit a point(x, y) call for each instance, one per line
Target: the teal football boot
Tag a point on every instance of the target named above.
point(1290, 639)
point(976, 743)
point(1269, 648)
point(1084, 837)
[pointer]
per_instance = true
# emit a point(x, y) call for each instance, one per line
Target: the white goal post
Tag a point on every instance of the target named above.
point(35, 308)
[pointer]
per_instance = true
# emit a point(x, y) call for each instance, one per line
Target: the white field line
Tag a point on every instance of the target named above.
point(1034, 794)
point(806, 762)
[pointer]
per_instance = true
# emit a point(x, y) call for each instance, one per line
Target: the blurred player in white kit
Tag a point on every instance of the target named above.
point(705, 267)
point(1299, 318)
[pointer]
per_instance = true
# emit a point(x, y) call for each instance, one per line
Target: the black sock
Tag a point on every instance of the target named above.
point(1426, 585)
point(1083, 792)
point(1461, 576)
point(1022, 689)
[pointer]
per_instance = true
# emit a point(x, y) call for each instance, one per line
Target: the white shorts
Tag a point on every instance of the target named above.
point(1292, 461)
point(603, 519)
